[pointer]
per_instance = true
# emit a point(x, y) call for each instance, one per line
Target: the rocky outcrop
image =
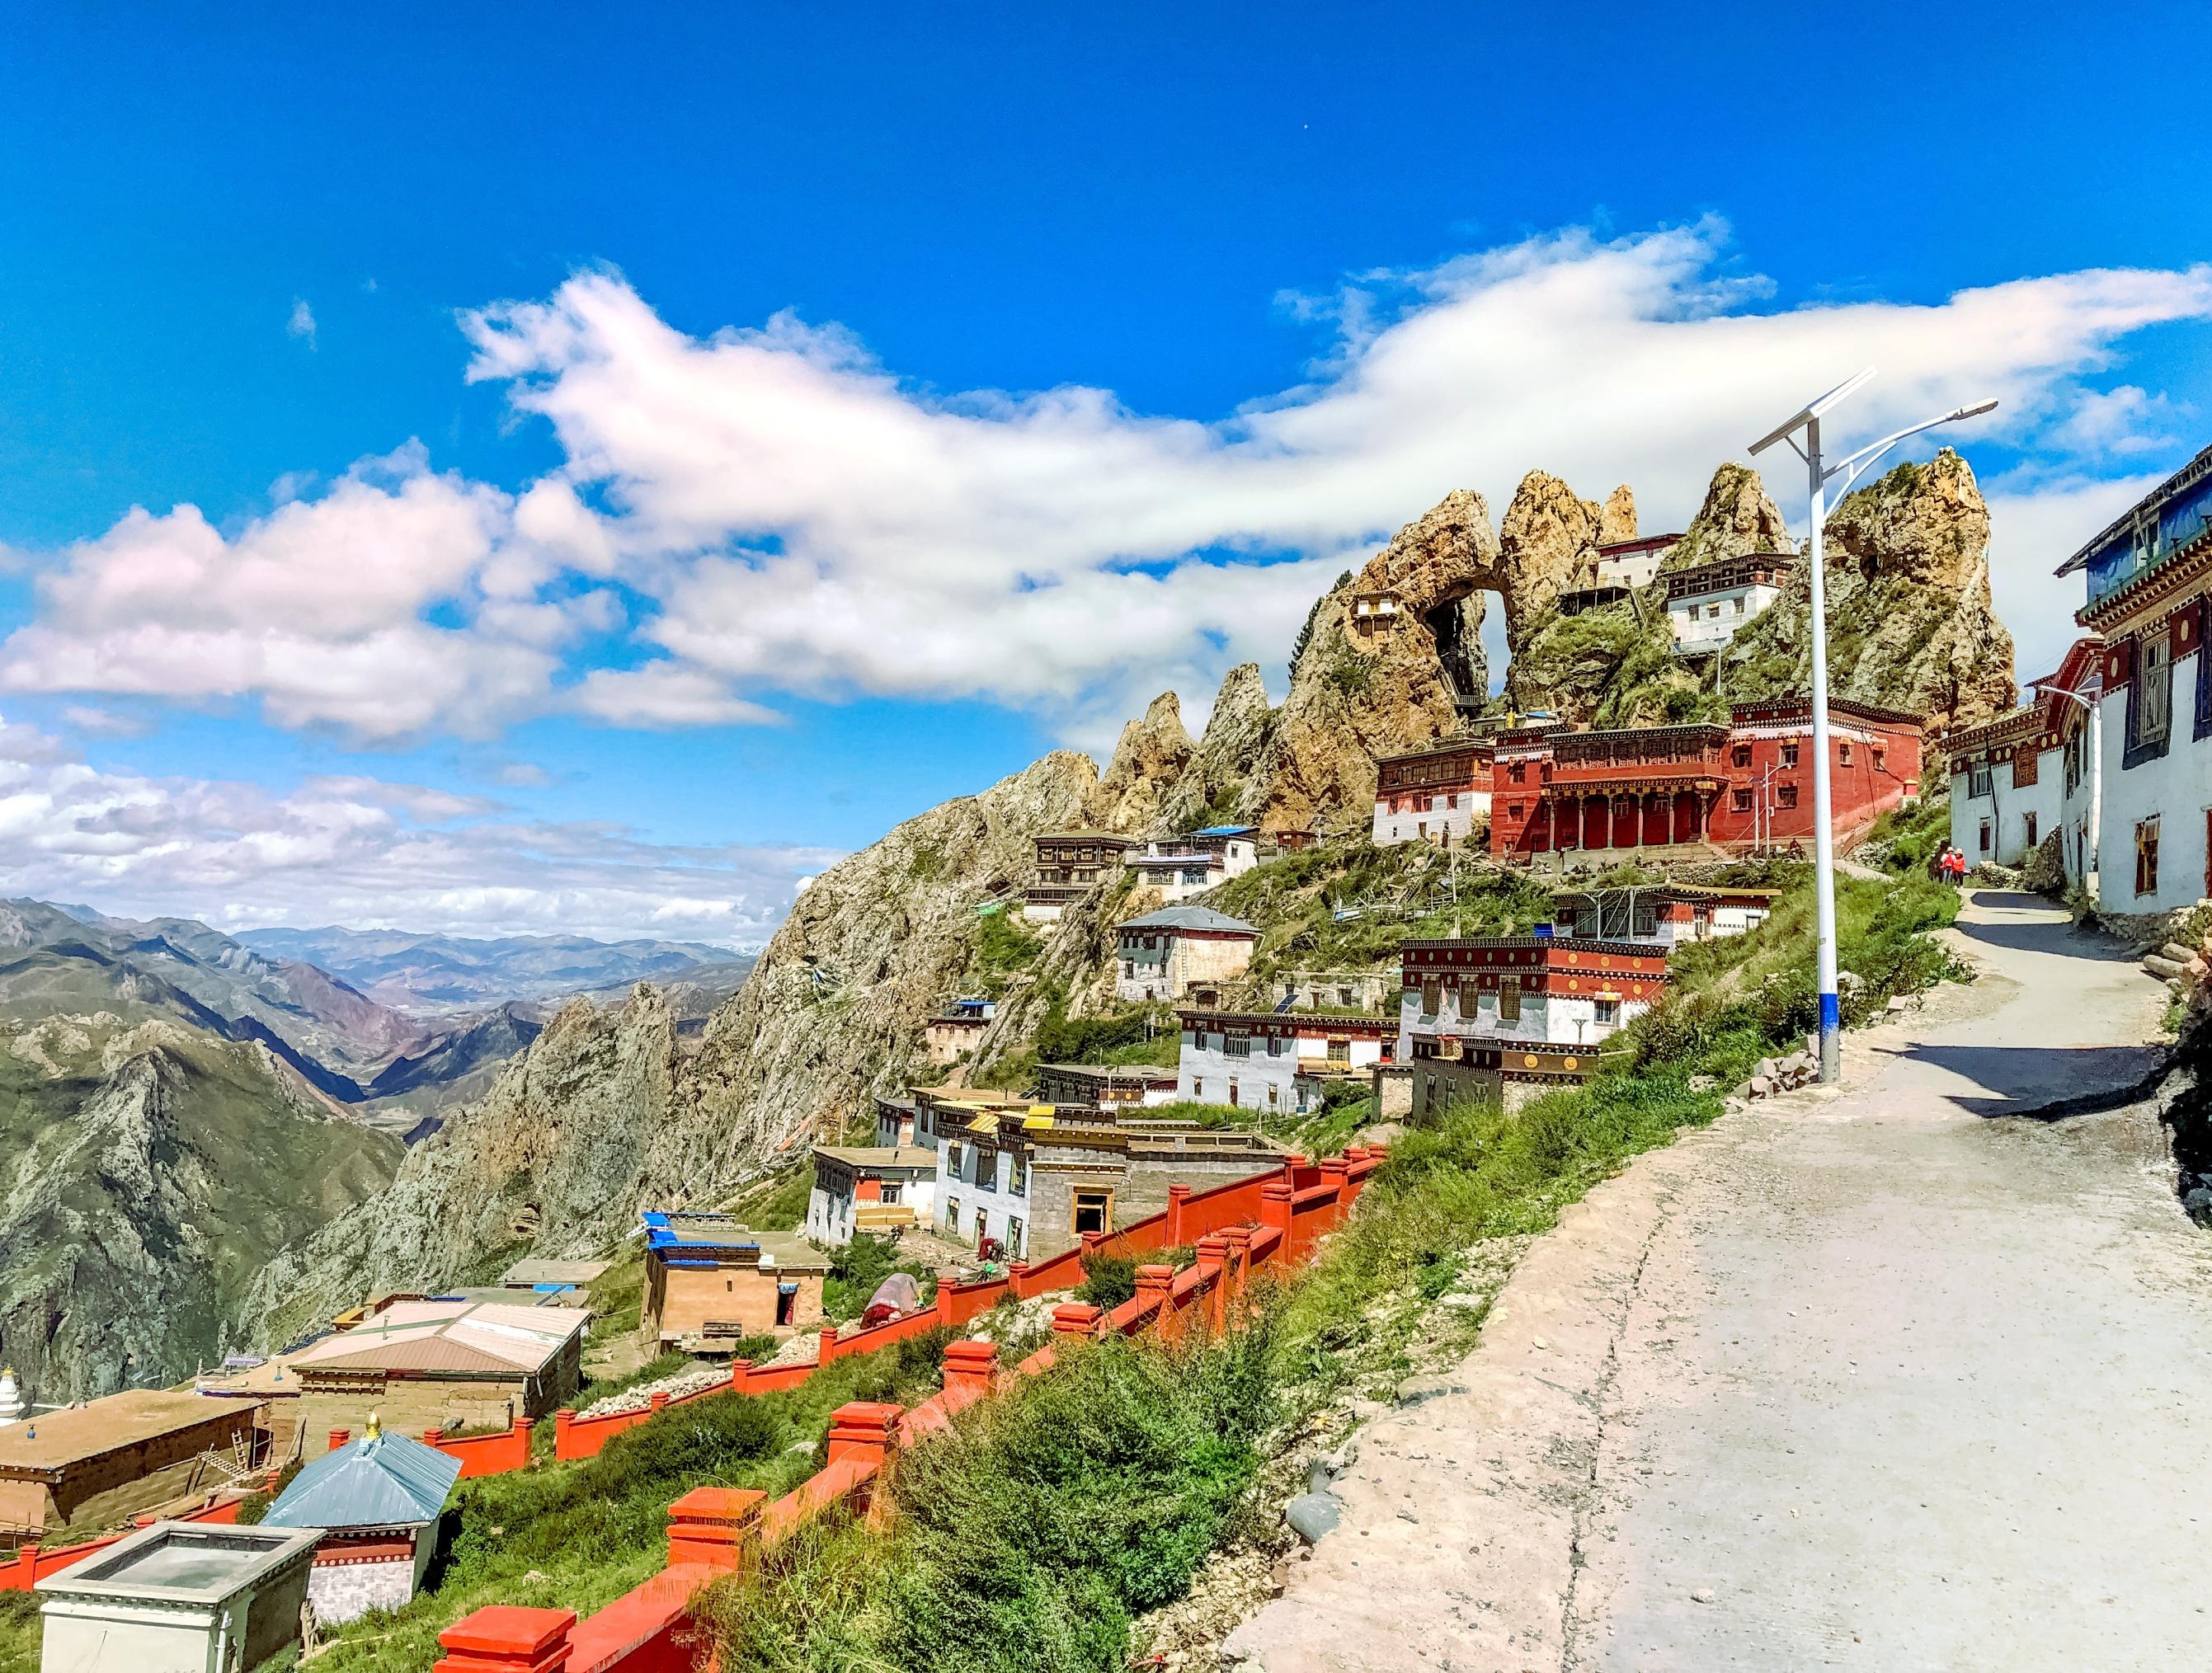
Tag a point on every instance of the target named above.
point(1547, 544)
point(1737, 517)
point(1152, 756)
point(1910, 622)
point(1367, 686)
point(1217, 783)
point(1616, 518)
point(607, 1112)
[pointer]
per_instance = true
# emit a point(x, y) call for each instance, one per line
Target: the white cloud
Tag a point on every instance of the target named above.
point(302, 325)
point(359, 850)
point(2036, 523)
point(106, 722)
point(769, 510)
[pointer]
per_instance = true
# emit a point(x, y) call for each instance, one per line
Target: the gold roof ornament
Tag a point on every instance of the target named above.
point(374, 1429)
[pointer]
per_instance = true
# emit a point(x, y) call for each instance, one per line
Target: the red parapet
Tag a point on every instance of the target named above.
point(648, 1629)
point(715, 1527)
point(502, 1638)
point(1078, 1318)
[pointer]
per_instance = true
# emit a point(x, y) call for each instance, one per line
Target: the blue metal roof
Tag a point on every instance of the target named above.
point(1228, 830)
point(382, 1481)
point(665, 1231)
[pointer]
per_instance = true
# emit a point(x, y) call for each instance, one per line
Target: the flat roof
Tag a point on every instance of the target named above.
point(184, 1562)
point(54, 1440)
point(1083, 836)
point(1612, 946)
point(553, 1272)
point(495, 1336)
point(1110, 1071)
point(878, 1155)
point(682, 1239)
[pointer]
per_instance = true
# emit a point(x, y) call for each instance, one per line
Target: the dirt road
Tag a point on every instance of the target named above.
point(1888, 1377)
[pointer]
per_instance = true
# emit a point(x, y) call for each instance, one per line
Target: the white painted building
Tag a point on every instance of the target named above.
point(1438, 794)
point(1181, 866)
point(1633, 563)
point(1169, 954)
point(2149, 577)
point(1273, 1060)
point(2007, 789)
point(868, 1188)
point(1707, 602)
point(1670, 914)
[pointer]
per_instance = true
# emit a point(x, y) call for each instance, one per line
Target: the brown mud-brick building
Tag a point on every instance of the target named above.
point(1106, 1088)
point(1069, 865)
point(710, 1280)
point(80, 1462)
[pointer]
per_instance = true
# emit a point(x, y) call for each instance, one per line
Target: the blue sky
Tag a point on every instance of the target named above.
point(1071, 351)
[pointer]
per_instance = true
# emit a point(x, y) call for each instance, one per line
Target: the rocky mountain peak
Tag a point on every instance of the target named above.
point(1736, 517)
point(1152, 755)
point(1545, 546)
point(1616, 518)
point(1910, 622)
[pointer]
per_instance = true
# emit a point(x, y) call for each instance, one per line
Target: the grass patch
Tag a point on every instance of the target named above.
point(21, 1632)
point(578, 1536)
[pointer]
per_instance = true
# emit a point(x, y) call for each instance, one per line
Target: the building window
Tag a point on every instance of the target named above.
point(1844, 753)
point(1742, 755)
point(889, 1193)
point(1739, 605)
point(1509, 1004)
point(1017, 1173)
point(1609, 1012)
point(1092, 1211)
point(2204, 670)
point(1740, 800)
point(1985, 836)
point(1712, 612)
point(2150, 699)
point(2147, 857)
point(1197, 1088)
point(1978, 779)
point(1789, 754)
point(2029, 820)
point(1517, 772)
point(1433, 997)
point(1234, 1088)
point(986, 1170)
point(953, 1216)
point(982, 1225)
point(1015, 1249)
point(954, 1156)
point(1881, 763)
point(1237, 1045)
point(1339, 1051)
point(1785, 796)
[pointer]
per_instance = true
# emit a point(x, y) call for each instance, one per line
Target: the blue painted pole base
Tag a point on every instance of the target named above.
point(1832, 1038)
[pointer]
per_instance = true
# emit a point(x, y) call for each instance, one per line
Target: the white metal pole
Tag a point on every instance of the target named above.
point(2093, 881)
point(1824, 839)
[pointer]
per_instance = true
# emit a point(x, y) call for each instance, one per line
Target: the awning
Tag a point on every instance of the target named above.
point(984, 1123)
point(1033, 1122)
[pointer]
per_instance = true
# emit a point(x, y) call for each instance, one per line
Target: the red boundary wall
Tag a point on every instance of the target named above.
point(1275, 1218)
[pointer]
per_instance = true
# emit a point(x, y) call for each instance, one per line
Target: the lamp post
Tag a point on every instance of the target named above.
point(2093, 862)
point(1819, 474)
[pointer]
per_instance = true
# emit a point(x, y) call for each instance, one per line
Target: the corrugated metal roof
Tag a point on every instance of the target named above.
point(382, 1481)
point(1190, 918)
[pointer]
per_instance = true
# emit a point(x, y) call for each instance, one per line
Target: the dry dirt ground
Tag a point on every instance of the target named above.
point(1900, 1375)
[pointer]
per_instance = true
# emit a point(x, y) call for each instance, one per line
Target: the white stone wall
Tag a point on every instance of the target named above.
point(1000, 1204)
point(1429, 816)
point(344, 1591)
point(1264, 1081)
point(1697, 628)
point(2176, 788)
point(1177, 963)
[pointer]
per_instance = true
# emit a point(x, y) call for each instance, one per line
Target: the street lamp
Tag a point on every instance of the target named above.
point(1819, 474)
point(2091, 862)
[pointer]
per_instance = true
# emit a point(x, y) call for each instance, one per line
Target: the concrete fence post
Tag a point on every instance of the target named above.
point(946, 1281)
point(657, 1402)
point(1238, 1262)
point(1018, 1279)
point(432, 1437)
point(1178, 1200)
point(339, 1438)
point(1076, 1318)
point(828, 1350)
point(969, 1367)
point(1091, 1242)
point(504, 1638)
point(1213, 1257)
point(1291, 1163)
point(717, 1527)
point(1336, 1173)
point(1153, 1284)
point(562, 1420)
point(739, 1370)
point(1275, 1206)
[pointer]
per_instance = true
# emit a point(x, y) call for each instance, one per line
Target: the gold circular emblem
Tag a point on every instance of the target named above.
point(1570, 1062)
point(1529, 1059)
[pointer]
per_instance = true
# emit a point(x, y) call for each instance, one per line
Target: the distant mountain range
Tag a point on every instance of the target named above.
point(177, 1105)
point(412, 971)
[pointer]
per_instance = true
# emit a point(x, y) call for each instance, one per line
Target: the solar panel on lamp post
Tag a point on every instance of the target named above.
point(1819, 474)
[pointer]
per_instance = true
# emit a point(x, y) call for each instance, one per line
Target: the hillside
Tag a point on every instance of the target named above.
point(613, 1108)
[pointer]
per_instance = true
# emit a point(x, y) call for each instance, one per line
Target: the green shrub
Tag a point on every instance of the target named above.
point(859, 1268)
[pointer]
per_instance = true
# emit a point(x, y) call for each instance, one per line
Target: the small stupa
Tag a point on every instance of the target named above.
point(12, 1404)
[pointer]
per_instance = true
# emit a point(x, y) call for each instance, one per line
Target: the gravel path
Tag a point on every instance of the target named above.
point(1875, 1378)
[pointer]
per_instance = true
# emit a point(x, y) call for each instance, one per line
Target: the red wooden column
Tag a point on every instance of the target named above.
point(504, 1639)
point(716, 1526)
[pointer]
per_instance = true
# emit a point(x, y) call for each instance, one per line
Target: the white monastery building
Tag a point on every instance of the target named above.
point(1179, 951)
point(1708, 602)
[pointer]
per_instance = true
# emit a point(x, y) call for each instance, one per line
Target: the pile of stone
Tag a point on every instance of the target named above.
point(691, 1380)
point(1774, 1076)
point(2184, 959)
